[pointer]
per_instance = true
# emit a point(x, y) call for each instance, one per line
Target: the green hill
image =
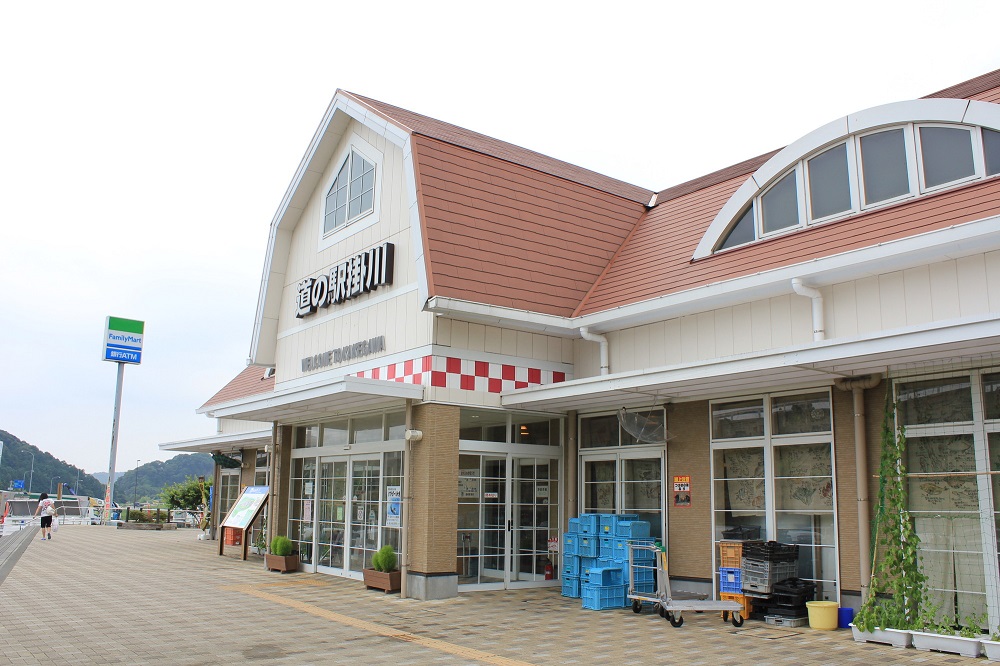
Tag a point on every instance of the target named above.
point(49, 472)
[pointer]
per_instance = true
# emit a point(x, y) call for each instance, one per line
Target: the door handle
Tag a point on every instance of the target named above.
point(510, 525)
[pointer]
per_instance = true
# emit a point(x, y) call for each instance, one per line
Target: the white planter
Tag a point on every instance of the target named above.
point(992, 650)
point(967, 647)
point(893, 637)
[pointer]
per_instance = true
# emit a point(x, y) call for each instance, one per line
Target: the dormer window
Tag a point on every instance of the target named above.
point(352, 194)
point(862, 171)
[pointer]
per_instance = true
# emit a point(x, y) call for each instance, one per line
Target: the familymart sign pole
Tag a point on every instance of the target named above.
point(122, 344)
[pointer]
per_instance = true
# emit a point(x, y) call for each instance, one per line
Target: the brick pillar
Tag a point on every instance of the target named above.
point(281, 468)
point(433, 513)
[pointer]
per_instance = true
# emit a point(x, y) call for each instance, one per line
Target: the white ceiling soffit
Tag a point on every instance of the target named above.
point(915, 348)
point(912, 111)
point(312, 403)
point(229, 442)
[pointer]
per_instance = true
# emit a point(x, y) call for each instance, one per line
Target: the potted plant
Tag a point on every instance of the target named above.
point(895, 594)
point(282, 557)
point(383, 575)
point(939, 634)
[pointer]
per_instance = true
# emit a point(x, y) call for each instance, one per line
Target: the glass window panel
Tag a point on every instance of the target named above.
point(800, 413)
point(367, 199)
point(596, 431)
point(883, 160)
point(366, 429)
point(540, 430)
point(805, 529)
point(395, 423)
point(947, 400)
point(335, 433)
point(738, 419)
point(354, 208)
point(599, 486)
point(991, 147)
point(483, 425)
point(340, 217)
point(342, 196)
point(742, 232)
point(260, 461)
point(829, 183)
point(991, 396)
point(307, 437)
point(946, 154)
point(739, 493)
point(780, 205)
point(356, 187)
point(368, 181)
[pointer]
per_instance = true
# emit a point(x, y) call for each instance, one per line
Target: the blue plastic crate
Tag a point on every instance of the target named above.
point(643, 575)
point(632, 529)
point(642, 554)
point(600, 597)
point(604, 576)
point(571, 543)
point(620, 550)
point(574, 525)
point(588, 545)
point(606, 524)
point(586, 564)
point(571, 587)
point(730, 580)
point(589, 523)
point(645, 588)
point(571, 566)
point(607, 548)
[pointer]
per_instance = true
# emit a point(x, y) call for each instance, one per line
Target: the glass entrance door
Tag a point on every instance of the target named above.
point(625, 483)
point(347, 513)
point(507, 513)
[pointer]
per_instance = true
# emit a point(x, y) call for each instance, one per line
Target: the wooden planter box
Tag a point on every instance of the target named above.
point(281, 563)
point(387, 581)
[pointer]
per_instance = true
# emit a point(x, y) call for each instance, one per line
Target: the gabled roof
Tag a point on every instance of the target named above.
point(253, 380)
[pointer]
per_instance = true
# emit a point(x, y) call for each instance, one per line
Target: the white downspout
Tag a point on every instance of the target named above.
point(819, 331)
point(404, 552)
point(601, 340)
point(857, 387)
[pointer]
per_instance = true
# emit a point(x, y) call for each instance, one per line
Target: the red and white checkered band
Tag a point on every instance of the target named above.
point(450, 372)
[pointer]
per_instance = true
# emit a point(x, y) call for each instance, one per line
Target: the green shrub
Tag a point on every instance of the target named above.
point(281, 546)
point(384, 559)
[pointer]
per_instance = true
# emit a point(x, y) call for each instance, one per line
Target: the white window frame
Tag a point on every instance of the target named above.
point(911, 166)
point(978, 158)
point(852, 183)
point(352, 226)
point(799, 203)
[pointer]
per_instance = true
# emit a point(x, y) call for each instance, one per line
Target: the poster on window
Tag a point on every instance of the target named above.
point(394, 509)
point(682, 491)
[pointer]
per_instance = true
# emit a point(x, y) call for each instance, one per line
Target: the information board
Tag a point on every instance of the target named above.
point(247, 507)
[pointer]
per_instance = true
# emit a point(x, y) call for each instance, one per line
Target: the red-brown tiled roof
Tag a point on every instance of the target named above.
point(973, 88)
point(744, 168)
point(249, 382)
point(508, 152)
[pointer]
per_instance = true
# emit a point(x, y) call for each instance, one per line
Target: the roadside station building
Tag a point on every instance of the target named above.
point(450, 325)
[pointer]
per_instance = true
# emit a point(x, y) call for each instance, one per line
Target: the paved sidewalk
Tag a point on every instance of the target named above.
point(97, 595)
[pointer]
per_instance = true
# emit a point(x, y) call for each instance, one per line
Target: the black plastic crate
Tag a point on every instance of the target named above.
point(782, 599)
point(770, 551)
point(742, 533)
point(795, 586)
point(786, 610)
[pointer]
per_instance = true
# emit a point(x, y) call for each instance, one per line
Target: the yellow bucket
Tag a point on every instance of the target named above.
point(822, 614)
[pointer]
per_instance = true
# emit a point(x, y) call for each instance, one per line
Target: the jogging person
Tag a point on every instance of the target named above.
point(48, 509)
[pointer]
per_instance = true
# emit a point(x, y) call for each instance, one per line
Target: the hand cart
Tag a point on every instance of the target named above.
point(646, 558)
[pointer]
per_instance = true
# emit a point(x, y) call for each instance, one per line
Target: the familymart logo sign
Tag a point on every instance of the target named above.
point(123, 340)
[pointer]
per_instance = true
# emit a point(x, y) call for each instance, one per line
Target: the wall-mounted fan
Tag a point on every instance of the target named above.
point(647, 427)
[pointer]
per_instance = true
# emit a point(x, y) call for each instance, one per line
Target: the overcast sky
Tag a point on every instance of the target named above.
point(145, 146)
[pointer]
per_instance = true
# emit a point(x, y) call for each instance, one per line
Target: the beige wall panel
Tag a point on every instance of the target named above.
point(800, 310)
point(724, 334)
point(689, 529)
point(553, 350)
point(641, 346)
point(781, 321)
point(840, 311)
point(917, 291)
point(568, 349)
point(760, 325)
point(992, 261)
point(689, 339)
point(868, 305)
point(539, 347)
point(460, 335)
point(672, 342)
point(477, 337)
point(973, 291)
point(493, 340)
point(742, 341)
point(657, 344)
point(621, 346)
point(508, 342)
point(586, 359)
point(945, 303)
point(706, 335)
point(442, 335)
point(235, 427)
point(524, 344)
point(892, 295)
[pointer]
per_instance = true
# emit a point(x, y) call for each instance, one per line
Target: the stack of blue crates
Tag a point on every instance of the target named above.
point(595, 559)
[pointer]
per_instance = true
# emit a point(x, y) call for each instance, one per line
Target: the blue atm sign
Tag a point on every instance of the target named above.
point(123, 340)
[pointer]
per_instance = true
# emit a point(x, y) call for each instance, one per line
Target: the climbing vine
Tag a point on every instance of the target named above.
point(896, 590)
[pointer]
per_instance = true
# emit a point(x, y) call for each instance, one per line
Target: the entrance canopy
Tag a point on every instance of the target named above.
point(910, 350)
point(315, 402)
